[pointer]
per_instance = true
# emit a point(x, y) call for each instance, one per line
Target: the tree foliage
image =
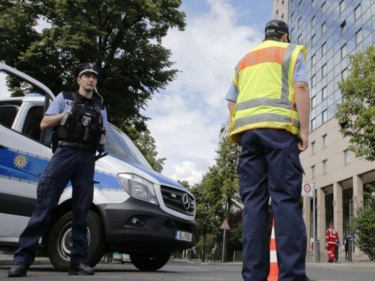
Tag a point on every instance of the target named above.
point(356, 113)
point(217, 197)
point(364, 225)
point(122, 37)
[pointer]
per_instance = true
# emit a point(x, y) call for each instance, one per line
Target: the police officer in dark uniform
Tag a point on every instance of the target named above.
point(80, 122)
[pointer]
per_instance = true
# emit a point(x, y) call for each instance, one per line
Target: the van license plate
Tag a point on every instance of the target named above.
point(183, 236)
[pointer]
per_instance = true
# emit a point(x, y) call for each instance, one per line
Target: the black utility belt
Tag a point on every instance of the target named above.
point(75, 145)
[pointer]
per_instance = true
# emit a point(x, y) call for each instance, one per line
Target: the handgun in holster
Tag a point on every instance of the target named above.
point(54, 141)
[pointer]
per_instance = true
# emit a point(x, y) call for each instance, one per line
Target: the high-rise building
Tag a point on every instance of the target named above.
point(331, 30)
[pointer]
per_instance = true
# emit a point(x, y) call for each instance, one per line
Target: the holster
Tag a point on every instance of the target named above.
point(54, 141)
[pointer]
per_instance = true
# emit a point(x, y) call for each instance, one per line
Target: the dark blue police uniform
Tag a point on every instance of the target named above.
point(72, 161)
point(68, 164)
point(269, 166)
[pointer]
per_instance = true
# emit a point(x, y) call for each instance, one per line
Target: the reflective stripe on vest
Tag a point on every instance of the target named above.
point(270, 112)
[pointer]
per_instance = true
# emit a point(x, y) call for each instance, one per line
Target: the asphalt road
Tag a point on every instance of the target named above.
point(184, 270)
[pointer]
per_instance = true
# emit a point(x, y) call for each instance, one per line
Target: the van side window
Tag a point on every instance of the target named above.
point(8, 114)
point(31, 127)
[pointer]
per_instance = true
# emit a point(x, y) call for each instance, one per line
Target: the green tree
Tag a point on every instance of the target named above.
point(217, 196)
point(356, 113)
point(364, 224)
point(184, 183)
point(122, 37)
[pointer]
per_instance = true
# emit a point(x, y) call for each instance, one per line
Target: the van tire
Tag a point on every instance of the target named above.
point(60, 241)
point(149, 261)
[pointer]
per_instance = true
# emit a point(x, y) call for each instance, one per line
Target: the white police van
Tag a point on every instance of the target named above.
point(135, 210)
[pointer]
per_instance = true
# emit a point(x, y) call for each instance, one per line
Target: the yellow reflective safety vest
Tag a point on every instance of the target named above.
point(266, 97)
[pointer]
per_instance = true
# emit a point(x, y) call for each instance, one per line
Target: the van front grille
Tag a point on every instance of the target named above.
point(178, 200)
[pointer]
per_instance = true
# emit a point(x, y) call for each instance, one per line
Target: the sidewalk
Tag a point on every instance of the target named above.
point(341, 259)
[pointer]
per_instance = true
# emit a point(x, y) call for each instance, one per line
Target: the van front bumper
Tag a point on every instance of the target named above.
point(137, 226)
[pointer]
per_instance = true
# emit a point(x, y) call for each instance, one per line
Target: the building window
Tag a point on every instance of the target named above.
point(313, 172)
point(282, 16)
point(313, 81)
point(342, 27)
point(324, 70)
point(313, 102)
point(324, 28)
point(324, 116)
point(313, 124)
point(357, 12)
point(292, 18)
point(313, 147)
point(324, 93)
point(324, 48)
point(342, 6)
point(313, 22)
point(358, 37)
point(323, 8)
point(344, 74)
point(312, 60)
point(325, 141)
point(299, 22)
point(325, 167)
point(344, 51)
point(346, 157)
point(300, 5)
point(312, 3)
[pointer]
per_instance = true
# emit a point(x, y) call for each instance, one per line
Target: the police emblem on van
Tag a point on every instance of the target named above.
point(20, 161)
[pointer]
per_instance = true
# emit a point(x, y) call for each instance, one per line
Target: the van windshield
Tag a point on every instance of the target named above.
point(120, 146)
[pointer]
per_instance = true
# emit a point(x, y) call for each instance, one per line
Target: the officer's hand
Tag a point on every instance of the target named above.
point(303, 141)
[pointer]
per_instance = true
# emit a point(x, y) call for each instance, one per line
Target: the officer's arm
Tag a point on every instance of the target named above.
point(51, 121)
point(231, 105)
point(303, 108)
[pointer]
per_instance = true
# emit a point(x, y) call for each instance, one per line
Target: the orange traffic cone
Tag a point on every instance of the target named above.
point(274, 268)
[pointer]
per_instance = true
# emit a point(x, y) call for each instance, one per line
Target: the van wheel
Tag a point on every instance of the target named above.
point(149, 261)
point(59, 243)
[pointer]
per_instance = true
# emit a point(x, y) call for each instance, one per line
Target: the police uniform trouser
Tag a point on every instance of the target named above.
point(66, 164)
point(269, 165)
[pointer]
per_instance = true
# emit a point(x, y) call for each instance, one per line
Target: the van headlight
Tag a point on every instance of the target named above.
point(138, 187)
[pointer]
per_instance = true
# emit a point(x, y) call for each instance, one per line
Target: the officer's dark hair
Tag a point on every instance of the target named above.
point(274, 36)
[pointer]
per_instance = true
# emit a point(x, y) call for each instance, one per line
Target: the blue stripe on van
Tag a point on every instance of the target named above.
point(22, 166)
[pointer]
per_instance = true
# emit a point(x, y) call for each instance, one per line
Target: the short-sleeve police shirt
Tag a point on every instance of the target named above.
point(60, 104)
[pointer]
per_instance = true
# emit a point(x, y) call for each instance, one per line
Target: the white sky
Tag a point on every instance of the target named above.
point(186, 118)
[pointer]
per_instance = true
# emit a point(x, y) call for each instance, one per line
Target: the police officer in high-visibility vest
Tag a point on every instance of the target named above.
point(80, 123)
point(269, 107)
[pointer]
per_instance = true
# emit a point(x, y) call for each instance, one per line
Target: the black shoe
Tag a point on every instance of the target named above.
point(17, 270)
point(82, 269)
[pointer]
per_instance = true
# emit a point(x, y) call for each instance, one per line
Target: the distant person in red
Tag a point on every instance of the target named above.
point(331, 238)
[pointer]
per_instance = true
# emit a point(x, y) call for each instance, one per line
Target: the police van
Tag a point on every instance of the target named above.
point(135, 210)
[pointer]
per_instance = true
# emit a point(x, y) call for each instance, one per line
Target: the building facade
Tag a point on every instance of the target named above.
point(331, 30)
